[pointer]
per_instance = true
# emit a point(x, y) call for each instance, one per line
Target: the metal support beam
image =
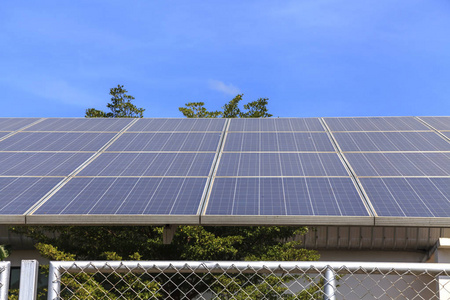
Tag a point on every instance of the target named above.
point(441, 254)
point(5, 267)
point(330, 285)
point(54, 282)
point(168, 233)
point(29, 270)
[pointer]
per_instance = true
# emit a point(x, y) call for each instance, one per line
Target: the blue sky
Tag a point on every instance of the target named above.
point(310, 58)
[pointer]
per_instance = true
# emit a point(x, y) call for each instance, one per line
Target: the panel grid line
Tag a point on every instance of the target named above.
point(331, 187)
point(282, 181)
point(306, 183)
point(355, 180)
point(13, 132)
point(210, 181)
point(434, 129)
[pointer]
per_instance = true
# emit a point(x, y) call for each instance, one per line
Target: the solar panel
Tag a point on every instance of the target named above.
point(79, 124)
point(447, 134)
point(203, 125)
point(285, 196)
point(375, 124)
point(173, 141)
point(439, 123)
point(270, 172)
point(18, 194)
point(13, 124)
point(278, 124)
point(409, 197)
point(39, 163)
point(391, 141)
point(281, 164)
point(150, 164)
point(272, 141)
point(116, 196)
point(55, 141)
point(400, 164)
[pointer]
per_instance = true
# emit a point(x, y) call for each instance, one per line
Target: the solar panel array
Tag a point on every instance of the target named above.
point(401, 163)
point(350, 171)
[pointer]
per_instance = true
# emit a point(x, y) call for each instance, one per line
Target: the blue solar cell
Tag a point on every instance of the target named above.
point(447, 134)
point(12, 124)
point(400, 164)
point(150, 164)
point(2, 134)
point(18, 194)
point(278, 124)
point(40, 164)
point(55, 141)
point(178, 125)
point(375, 124)
point(268, 141)
point(116, 196)
point(325, 197)
point(81, 124)
point(391, 141)
point(438, 123)
point(409, 197)
point(285, 196)
point(306, 124)
point(166, 142)
point(281, 164)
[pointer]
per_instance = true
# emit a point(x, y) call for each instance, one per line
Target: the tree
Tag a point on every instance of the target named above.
point(197, 110)
point(120, 106)
point(255, 109)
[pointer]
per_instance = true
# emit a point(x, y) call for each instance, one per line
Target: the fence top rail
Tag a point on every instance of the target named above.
point(246, 267)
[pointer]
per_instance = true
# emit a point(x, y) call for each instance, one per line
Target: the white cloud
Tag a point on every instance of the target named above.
point(221, 86)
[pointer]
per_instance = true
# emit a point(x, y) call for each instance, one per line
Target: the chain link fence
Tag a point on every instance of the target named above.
point(247, 280)
point(4, 279)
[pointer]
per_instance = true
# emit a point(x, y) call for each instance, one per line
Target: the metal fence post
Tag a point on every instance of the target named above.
point(54, 282)
point(4, 279)
point(330, 284)
point(29, 270)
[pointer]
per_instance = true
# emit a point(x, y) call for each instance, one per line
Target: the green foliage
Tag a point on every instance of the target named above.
point(4, 252)
point(197, 110)
point(189, 243)
point(145, 242)
point(52, 252)
point(88, 286)
point(120, 106)
point(263, 286)
point(231, 109)
point(255, 109)
point(95, 113)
